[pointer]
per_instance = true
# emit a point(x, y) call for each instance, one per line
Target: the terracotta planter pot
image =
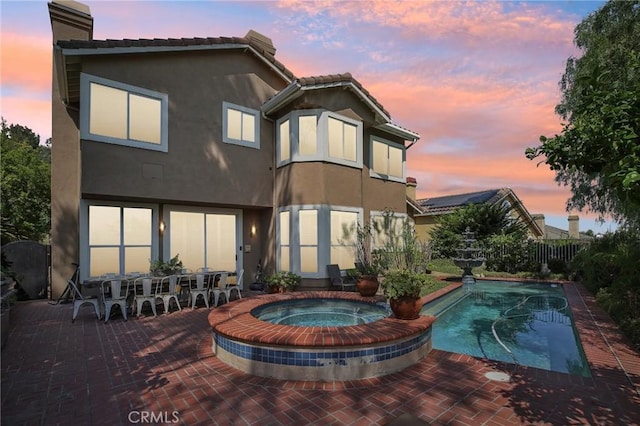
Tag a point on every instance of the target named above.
point(274, 289)
point(367, 285)
point(406, 307)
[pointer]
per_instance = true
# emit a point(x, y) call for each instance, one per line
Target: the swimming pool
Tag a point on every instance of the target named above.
point(523, 323)
point(321, 312)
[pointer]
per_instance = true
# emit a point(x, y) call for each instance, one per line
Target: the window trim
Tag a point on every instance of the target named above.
point(166, 237)
point(389, 143)
point(324, 236)
point(380, 213)
point(256, 128)
point(85, 258)
point(85, 102)
point(322, 138)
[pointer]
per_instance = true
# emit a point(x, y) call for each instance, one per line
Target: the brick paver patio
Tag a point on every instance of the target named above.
point(161, 370)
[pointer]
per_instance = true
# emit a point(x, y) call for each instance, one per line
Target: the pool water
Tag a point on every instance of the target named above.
point(523, 323)
point(321, 312)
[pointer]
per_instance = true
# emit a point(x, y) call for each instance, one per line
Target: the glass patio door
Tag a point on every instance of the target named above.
point(205, 239)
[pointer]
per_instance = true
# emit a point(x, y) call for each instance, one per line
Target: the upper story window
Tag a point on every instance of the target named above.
point(317, 135)
point(240, 125)
point(343, 140)
point(122, 114)
point(387, 160)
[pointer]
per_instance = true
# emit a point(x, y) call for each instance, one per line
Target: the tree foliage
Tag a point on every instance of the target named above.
point(25, 183)
point(484, 220)
point(597, 154)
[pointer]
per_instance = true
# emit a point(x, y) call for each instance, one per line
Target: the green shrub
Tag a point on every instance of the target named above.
point(609, 269)
point(557, 265)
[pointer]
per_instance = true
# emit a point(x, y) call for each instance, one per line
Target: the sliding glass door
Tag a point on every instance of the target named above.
point(204, 238)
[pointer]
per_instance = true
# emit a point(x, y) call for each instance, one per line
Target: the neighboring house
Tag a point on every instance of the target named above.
point(554, 233)
point(212, 149)
point(427, 211)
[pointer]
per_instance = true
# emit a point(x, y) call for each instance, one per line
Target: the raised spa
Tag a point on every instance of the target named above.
point(321, 312)
point(317, 352)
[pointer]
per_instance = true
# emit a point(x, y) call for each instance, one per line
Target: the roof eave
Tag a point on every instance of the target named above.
point(396, 130)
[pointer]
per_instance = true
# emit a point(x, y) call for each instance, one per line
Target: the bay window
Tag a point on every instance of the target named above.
point(318, 135)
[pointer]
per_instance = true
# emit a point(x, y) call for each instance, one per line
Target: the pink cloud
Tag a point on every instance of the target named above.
point(32, 113)
point(26, 62)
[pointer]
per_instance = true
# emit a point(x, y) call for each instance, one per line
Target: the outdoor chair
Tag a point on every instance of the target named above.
point(219, 289)
point(79, 300)
point(167, 289)
point(337, 280)
point(230, 287)
point(118, 294)
point(143, 292)
point(201, 289)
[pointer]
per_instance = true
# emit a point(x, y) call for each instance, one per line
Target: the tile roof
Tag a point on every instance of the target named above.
point(178, 43)
point(337, 79)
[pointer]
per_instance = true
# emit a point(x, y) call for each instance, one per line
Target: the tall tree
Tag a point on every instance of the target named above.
point(25, 184)
point(598, 152)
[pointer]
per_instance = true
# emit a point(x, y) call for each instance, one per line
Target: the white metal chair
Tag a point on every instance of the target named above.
point(201, 289)
point(167, 290)
point(143, 292)
point(118, 294)
point(230, 287)
point(79, 300)
point(216, 290)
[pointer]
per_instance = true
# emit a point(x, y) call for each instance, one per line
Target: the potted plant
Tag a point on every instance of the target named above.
point(404, 259)
point(161, 268)
point(402, 288)
point(367, 265)
point(283, 281)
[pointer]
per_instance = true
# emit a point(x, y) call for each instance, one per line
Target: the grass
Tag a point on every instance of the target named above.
point(447, 267)
point(433, 284)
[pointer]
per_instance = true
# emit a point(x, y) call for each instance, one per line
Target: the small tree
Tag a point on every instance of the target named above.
point(484, 220)
point(25, 183)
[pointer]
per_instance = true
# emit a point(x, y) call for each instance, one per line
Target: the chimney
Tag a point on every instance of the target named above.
point(70, 20)
point(574, 226)
point(262, 41)
point(412, 183)
point(539, 220)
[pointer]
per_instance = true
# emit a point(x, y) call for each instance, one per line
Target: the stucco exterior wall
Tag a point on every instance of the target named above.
point(198, 167)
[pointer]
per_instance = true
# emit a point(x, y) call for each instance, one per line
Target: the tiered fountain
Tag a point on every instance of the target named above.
point(469, 257)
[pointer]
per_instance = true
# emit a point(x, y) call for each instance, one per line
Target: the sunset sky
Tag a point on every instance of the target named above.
point(477, 80)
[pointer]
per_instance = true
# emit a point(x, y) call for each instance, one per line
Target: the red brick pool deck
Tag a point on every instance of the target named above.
point(162, 369)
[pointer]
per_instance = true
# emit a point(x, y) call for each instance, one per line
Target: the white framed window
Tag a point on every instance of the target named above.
point(312, 236)
point(284, 141)
point(122, 114)
point(204, 237)
point(343, 225)
point(284, 226)
point(387, 160)
point(384, 223)
point(240, 125)
point(342, 140)
point(117, 237)
point(318, 135)
point(308, 232)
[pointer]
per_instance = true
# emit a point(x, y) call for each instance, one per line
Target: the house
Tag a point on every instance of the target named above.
point(210, 149)
point(426, 211)
point(555, 233)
